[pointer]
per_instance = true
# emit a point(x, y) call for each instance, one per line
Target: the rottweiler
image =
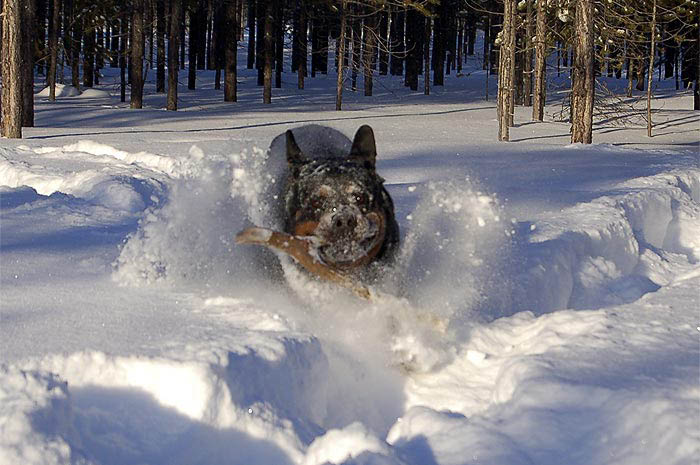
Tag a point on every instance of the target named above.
point(339, 221)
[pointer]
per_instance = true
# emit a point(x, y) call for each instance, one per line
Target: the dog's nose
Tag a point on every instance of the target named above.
point(344, 222)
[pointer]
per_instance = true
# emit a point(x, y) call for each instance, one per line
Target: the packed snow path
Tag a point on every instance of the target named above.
point(133, 330)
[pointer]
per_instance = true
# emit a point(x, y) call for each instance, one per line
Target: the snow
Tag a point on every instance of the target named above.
point(543, 308)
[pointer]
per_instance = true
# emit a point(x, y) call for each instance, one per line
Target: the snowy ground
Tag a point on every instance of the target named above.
point(134, 330)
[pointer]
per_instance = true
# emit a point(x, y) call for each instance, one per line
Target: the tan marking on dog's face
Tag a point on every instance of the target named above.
point(306, 228)
point(324, 191)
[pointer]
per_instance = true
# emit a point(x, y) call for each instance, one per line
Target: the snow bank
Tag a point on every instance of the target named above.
point(603, 252)
point(112, 187)
point(93, 93)
point(236, 396)
point(34, 418)
point(353, 443)
point(62, 90)
point(102, 153)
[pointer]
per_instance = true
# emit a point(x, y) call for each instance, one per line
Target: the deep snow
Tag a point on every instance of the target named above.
point(134, 330)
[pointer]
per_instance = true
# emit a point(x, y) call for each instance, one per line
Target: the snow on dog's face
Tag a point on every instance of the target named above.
point(341, 202)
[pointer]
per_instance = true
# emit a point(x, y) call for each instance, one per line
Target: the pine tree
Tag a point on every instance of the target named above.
point(27, 37)
point(137, 51)
point(231, 45)
point(341, 53)
point(53, 46)
point(540, 90)
point(160, 41)
point(176, 13)
point(12, 101)
point(268, 48)
point(583, 81)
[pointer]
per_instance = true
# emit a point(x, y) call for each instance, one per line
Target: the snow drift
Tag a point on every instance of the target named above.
point(273, 379)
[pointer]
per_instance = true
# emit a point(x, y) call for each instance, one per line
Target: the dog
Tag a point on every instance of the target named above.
point(337, 199)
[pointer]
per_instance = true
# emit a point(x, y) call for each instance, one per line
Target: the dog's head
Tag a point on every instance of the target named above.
point(338, 201)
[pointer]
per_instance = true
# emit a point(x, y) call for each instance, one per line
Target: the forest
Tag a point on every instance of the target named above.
point(518, 42)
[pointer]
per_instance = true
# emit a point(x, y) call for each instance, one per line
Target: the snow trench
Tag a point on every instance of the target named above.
point(272, 391)
point(613, 251)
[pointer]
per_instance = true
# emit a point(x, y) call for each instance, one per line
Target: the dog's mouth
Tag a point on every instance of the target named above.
point(351, 248)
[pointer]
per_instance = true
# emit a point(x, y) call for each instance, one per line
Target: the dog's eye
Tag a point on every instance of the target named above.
point(316, 203)
point(361, 199)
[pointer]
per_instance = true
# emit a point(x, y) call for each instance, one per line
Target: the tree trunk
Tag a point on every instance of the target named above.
point(341, 54)
point(99, 52)
point(88, 52)
point(218, 39)
point(201, 40)
point(148, 32)
point(440, 44)
point(460, 44)
point(39, 48)
point(471, 30)
point(303, 44)
point(12, 101)
point(412, 46)
point(267, 67)
point(506, 71)
point(76, 35)
point(241, 24)
point(183, 29)
point(260, 6)
point(137, 47)
point(527, 56)
point(122, 56)
point(487, 44)
point(512, 63)
point(369, 51)
point(396, 40)
point(652, 53)
point(49, 31)
point(670, 52)
point(67, 16)
point(320, 49)
point(53, 47)
point(211, 55)
point(114, 45)
point(1, 46)
point(279, 43)
point(519, 68)
point(582, 75)
point(27, 38)
point(426, 55)
point(540, 91)
point(173, 51)
point(160, 39)
point(251, 34)
point(383, 42)
point(696, 89)
point(356, 49)
point(231, 38)
point(192, 50)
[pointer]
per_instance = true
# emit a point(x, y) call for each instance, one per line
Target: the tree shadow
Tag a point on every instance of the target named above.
point(188, 116)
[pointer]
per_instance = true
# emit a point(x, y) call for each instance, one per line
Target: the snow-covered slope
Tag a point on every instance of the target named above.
point(544, 308)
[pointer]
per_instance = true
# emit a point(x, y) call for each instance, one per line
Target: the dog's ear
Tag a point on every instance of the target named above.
point(294, 154)
point(363, 146)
